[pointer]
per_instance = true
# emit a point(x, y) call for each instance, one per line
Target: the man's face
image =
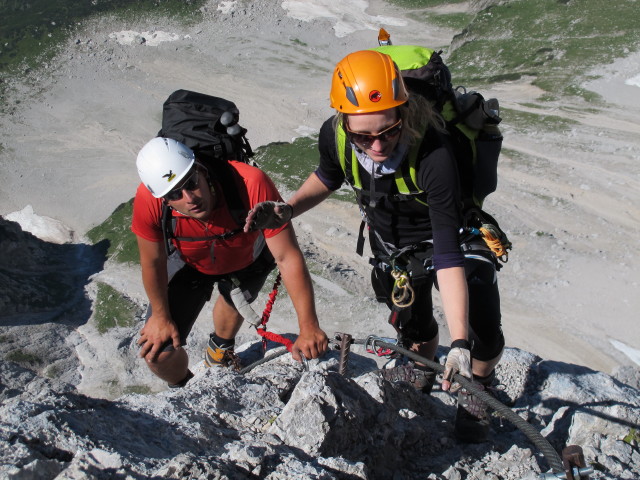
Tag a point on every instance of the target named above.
point(192, 197)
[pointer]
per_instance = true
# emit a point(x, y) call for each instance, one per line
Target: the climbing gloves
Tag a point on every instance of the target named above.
point(458, 361)
point(268, 215)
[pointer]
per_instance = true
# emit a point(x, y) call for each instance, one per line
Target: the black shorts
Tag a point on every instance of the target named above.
point(190, 289)
point(417, 323)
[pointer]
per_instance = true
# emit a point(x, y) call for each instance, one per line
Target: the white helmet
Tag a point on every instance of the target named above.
point(163, 163)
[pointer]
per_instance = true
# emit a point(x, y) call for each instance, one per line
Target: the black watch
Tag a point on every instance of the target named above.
point(461, 343)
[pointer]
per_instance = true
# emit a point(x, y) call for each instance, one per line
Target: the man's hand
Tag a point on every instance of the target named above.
point(311, 344)
point(458, 361)
point(268, 214)
point(154, 336)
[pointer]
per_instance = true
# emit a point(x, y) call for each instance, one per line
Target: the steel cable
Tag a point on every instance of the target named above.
point(542, 444)
point(554, 460)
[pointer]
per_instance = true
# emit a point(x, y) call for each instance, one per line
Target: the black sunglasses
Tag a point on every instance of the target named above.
point(368, 138)
point(191, 184)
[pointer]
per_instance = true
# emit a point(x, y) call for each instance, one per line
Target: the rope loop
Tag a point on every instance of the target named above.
point(266, 314)
point(403, 294)
point(496, 241)
point(272, 298)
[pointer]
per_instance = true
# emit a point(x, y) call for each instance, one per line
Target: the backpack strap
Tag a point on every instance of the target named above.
point(168, 223)
point(233, 191)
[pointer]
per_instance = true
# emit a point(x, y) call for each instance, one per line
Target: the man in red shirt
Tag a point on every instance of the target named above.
point(214, 250)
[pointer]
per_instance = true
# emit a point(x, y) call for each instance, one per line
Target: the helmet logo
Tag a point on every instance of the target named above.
point(375, 96)
point(170, 176)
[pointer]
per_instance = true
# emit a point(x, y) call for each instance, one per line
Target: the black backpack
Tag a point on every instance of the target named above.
point(209, 126)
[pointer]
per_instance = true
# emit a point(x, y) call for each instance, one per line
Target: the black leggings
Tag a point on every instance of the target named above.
point(190, 289)
point(417, 324)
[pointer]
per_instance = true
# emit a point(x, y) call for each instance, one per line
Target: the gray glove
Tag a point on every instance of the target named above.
point(458, 361)
point(268, 214)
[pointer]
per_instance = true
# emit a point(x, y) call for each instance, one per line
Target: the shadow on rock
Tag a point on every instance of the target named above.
point(44, 282)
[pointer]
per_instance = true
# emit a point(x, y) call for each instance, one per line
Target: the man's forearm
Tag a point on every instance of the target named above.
point(298, 283)
point(155, 282)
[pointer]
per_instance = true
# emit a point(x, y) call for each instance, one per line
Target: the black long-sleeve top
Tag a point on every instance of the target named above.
point(405, 223)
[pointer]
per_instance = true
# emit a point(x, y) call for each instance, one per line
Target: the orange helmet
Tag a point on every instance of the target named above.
point(367, 81)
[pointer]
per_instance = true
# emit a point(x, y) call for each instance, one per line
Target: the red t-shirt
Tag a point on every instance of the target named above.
point(212, 257)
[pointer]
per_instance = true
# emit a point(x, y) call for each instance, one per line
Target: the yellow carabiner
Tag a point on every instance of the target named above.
point(499, 246)
point(403, 294)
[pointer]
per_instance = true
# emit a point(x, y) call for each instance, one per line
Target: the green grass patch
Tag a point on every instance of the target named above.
point(454, 21)
point(523, 162)
point(138, 389)
point(291, 163)
point(112, 309)
point(123, 246)
point(20, 356)
point(414, 4)
point(555, 42)
point(432, 12)
point(632, 438)
point(31, 33)
point(53, 372)
point(31, 29)
point(532, 122)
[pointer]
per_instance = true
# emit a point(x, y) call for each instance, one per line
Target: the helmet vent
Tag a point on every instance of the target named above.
point(351, 96)
point(396, 88)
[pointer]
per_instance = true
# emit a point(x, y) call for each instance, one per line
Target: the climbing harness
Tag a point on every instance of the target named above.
point(403, 294)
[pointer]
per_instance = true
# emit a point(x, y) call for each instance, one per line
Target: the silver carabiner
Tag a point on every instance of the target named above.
point(371, 340)
point(305, 362)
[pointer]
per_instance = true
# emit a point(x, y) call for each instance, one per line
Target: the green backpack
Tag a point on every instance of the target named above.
point(472, 121)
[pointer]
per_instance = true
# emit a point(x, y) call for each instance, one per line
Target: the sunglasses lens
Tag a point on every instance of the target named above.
point(191, 184)
point(367, 139)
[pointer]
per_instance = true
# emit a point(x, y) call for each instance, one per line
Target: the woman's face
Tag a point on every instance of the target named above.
point(377, 133)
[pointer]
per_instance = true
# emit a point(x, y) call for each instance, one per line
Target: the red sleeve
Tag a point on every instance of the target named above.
point(147, 215)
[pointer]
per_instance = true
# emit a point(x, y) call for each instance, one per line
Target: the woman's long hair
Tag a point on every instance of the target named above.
point(417, 114)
